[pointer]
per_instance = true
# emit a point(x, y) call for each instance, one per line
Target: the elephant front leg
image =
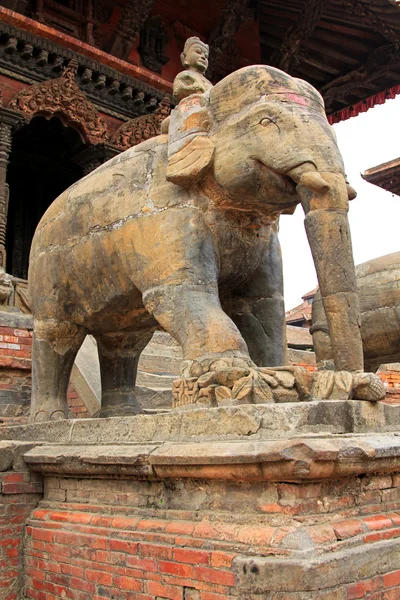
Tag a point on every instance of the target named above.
point(193, 315)
point(210, 340)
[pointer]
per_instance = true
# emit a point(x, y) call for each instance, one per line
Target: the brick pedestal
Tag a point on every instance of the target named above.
point(259, 502)
point(215, 540)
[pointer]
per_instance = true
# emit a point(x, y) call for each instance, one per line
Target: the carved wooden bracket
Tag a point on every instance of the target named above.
point(222, 35)
point(142, 128)
point(299, 32)
point(344, 89)
point(376, 20)
point(62, 97)
point(130, 22)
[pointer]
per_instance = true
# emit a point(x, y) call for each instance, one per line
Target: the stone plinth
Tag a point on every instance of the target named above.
point(279, 502)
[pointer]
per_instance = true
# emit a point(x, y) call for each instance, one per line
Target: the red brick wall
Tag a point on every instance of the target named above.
point(75, 404)
point(20, 492)
point(103, 547)
point(391, 379)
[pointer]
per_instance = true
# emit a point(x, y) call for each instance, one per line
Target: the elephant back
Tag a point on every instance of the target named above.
point(257, 82)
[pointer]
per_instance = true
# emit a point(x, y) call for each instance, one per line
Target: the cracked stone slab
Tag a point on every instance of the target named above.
point(274, 460)
point(129, 459)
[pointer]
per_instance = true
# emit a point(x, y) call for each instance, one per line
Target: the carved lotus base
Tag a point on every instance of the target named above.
point(239, 384)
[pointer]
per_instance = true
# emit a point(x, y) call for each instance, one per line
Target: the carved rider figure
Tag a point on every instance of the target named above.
point(195, 60)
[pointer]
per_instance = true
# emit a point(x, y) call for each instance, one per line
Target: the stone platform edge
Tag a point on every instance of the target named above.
point(250, 461)
point(251, 421)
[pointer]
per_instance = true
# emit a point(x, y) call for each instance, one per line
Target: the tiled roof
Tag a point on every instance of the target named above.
point(386, 176)
point(298, 337)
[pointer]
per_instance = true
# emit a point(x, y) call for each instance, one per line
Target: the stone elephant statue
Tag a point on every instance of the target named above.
point(180, 233)
point(378, 283)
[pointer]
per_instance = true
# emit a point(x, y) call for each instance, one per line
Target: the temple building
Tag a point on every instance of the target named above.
point(385, 176)
point(300, 316)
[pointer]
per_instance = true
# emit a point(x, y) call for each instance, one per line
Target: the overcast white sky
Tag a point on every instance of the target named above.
point(365, 141)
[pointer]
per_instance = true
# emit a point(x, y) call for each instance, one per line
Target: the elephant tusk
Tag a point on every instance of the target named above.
point(351, 192)
point(307, 175)
point(314, 182)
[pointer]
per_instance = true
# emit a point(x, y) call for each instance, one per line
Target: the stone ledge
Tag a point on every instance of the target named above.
point(275, 460)
point(251, 421)
point(16, 320)
point(259, 575)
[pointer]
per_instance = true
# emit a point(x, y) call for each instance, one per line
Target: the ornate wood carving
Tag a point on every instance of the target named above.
point(122, 96)
point(377, 22)
point(9, 120)
point(343, 89)
point(221, 36)
point(153, 37)
point(142, 128)
point(298, 33)
point(131, 21)
point(62, 97)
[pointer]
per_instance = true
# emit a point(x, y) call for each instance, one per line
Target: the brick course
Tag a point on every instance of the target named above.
point(20, 492)
point(117, 539)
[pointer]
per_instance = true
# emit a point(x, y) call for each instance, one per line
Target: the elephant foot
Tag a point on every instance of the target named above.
point(230, 382)
point(235, 381)
point(122, 410)
point(343, 385)
point(53, 413)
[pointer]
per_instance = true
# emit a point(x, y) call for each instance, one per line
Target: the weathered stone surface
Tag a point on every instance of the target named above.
point(128, 459)
point(125, 251)
point(263, 575)
point(295, 459)
point(16, 320)
point(378, 282)
point(6, 456)
point(11, 454)
point(257, 421)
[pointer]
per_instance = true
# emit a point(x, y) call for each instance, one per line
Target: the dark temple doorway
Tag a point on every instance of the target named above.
point(41, 167)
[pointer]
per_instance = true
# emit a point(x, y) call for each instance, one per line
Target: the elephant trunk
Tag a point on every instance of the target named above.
point(324, 197)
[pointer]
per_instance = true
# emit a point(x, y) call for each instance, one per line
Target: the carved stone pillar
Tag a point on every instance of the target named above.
point(9, 121)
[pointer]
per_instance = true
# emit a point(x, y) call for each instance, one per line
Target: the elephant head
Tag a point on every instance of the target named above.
point(263, 137)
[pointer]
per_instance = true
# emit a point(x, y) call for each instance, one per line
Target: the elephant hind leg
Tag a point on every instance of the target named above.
point(258, 309)
point(119, 355)
point(55, 345)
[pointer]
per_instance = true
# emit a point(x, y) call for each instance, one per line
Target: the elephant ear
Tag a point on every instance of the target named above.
point(190, 150)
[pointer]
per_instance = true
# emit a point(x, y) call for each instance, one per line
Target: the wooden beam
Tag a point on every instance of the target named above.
point(379, 24)
point(299, 32)
point(380, 62)
point(222, 34)
point(130, 23)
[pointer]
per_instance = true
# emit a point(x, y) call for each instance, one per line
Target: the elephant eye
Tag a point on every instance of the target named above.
point(266, 121)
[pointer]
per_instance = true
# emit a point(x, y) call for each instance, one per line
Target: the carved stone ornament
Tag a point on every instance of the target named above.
point(142, 128)
point(62, 97)
point(228, 382)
